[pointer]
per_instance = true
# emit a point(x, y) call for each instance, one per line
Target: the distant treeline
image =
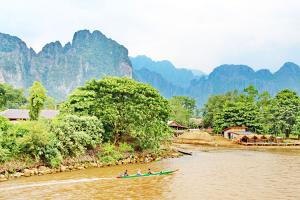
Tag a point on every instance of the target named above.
point(260, 112)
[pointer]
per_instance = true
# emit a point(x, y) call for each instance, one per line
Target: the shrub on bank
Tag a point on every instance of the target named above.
point(109, 153)
point(76, 134)
point(49, 141)
point(125, 148)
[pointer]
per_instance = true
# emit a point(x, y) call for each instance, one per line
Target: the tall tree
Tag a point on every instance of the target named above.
point(182, 108)
point(265, 117)
point(37, 99)
point(285, 108)
point(127, 109)
point(215, 104)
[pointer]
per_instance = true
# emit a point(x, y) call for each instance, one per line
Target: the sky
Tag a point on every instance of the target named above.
point(197, 34)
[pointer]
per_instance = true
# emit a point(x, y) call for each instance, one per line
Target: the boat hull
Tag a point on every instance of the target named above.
point(153, 174)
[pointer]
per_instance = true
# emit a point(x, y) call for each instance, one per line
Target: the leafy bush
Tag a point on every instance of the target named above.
point(4, 124)
point(124, 148)
point(109, 153)
point(77, 134)
point(4, 154)
point(52, 155)
point(8, 142)
point(107, 159)
point(35, 139)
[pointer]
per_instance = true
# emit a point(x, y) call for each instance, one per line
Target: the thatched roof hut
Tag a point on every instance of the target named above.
point(241, 138)
point(262, 138)
point(253, 138)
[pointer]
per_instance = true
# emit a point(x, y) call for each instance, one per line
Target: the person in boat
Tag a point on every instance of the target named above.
point(125, 173)
point(149, 171)
point(139, 173)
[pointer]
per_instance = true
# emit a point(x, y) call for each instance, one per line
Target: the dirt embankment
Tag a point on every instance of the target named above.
point(203, 138)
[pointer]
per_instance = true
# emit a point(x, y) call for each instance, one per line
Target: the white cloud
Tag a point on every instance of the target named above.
point(193, 33)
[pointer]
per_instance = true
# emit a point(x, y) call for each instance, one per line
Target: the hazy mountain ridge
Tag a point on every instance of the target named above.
point(180, 77)
point(222, 79)
point(62, 68)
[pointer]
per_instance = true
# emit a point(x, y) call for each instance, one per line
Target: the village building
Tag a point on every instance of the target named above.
point(235, 131)
point(15, 115)
point(177, 128)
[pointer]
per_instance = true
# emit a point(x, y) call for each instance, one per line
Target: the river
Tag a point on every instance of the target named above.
point(216, 174)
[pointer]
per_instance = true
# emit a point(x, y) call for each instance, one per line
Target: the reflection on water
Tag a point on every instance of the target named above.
point(221, 174)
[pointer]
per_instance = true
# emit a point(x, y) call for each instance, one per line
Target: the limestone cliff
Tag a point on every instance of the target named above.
point(62, 68)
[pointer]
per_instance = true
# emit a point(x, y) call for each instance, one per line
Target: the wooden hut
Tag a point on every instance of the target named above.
point(262, 138)
point(177, 128)
point(241, 139)
point(253, 138)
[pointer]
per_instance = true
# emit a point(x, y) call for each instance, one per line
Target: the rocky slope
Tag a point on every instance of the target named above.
point(62, 68)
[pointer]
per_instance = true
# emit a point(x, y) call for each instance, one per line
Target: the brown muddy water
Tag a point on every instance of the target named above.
point(217, 174)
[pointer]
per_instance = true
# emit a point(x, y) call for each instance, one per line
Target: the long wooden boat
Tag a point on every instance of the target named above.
point(153, 174)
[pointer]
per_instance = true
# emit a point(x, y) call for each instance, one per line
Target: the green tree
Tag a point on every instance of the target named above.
point(129, 110)
point(37, 99)
point(233, 109)
point(285, 108)
point(187, 103)
point(265, 116)
point(10, 97)
point(214, 107)
point(182, 109)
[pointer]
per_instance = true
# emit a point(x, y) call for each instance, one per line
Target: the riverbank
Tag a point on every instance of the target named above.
point(9, 170)
point(205, 141)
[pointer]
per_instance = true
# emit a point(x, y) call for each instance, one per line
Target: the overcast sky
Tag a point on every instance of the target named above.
point(200, 34)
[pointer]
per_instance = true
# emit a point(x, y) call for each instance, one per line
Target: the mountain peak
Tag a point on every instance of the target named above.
point(291, 66)
point(8, 43)
point(52, 48)
point(81, 37)
point(288, 68)
point(232, 70)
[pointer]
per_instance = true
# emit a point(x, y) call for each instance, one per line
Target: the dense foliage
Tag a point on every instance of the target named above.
point(129, 111)
point(10, 97)
point(49, 141)
point(77, 134)
point(182, 109)
point(37, 99)
point(259, 112)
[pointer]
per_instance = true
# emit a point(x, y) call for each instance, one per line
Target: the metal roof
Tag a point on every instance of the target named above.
point(24, 114)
